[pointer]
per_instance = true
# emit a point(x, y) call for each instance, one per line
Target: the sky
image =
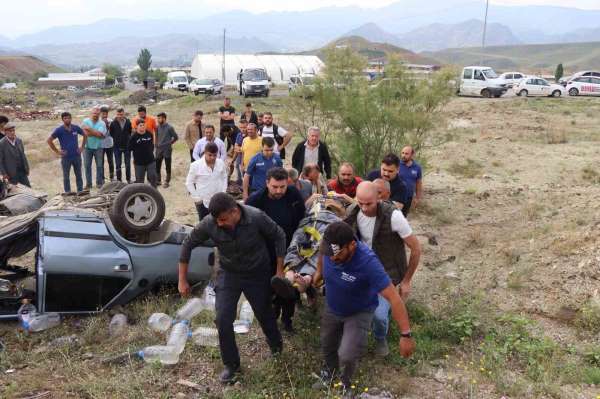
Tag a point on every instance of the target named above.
point(42, 14)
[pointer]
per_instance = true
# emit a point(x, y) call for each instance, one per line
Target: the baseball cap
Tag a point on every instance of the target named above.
point(335, 237)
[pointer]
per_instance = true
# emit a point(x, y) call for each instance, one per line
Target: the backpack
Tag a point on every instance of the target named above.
point(278, 139)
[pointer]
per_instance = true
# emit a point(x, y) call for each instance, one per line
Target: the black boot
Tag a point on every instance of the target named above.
point(229, 374)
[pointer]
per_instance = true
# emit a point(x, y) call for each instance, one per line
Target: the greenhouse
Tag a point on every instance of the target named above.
point(278, 67)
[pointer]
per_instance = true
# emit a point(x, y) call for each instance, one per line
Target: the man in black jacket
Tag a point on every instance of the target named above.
point(241, 234)
point(312, 151)
point(120, 130)
point(14, 167)
point(283, 204)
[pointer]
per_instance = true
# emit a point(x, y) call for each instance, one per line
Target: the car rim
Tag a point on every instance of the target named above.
point(140, 209)
point(573, 92)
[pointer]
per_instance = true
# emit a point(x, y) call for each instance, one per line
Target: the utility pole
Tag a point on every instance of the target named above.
point(487, 6)
point(223, 66)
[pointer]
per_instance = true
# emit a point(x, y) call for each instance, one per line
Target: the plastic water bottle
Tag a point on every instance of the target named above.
point(190, 309)
point(178, 336)
point(163, 354)
point(210, 298)
point(246, 313)
point(241, 327)
point(160, 322)
point(206, 336)
point(41, 322)
point(25, 312)
point(118, 325)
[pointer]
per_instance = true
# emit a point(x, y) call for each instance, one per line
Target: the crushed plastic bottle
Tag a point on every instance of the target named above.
point(209, 299)
point(25, 312)
point(118, 325)
point(190, 309)
point(41, 322)
point(179, 335)
point(206, 336)
point(160, 322)
point(246, 313)
point(163, 354)
point(241, 327)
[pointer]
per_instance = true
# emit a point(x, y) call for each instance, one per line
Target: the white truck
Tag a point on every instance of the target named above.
point(253, 82)
point(177, 80)
point(481, 81)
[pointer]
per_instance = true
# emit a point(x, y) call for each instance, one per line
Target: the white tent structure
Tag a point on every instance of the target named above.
point(278, 67)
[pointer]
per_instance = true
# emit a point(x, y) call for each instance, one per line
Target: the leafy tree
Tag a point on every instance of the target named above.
point(113, 72)
point(144, 61)
point(559, 73)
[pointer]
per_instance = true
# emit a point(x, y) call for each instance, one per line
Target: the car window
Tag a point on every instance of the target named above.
point(468, 74)
point(596, 81)
point(596, 74)
point(531, 82)
point(583, 80)
point(587, 74)
point(479, 75)
point(508, 76)
point(543, 82)
point(518, 76)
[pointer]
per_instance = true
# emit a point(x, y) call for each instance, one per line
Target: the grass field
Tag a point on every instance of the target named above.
point(505, 301)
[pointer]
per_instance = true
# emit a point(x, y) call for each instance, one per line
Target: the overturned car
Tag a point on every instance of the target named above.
point(92, 253)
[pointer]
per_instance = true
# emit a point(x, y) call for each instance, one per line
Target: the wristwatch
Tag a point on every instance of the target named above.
point(406, 335)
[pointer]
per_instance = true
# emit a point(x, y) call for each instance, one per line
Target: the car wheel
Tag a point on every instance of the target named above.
point(556, 93)
point(486, 93)
point(138, 208)
point(573, 92)
point(523, 93)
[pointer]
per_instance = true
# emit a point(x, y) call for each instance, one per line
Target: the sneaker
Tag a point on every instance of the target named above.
point(381, 348)
point(229, 375)
point(325, 379)
point(276, 350)
point(283, 287)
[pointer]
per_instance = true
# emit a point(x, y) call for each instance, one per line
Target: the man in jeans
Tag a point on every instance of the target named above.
point(353, 278)
point(165, 138)
point(241, 233)
point(384, 229)
point(141, 145)
point(95, 131)
point(120, 130)
point(70, 151)
point(108, 144)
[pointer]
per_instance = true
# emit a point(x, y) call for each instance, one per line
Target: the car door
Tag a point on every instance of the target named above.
point(544, 87)
point(595, 86)
point(80, 268)
point(479, 81)
point(466, 84)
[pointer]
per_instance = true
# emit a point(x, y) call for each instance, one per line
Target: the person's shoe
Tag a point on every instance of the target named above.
point(229, 375)
point(128, 181)
point(325, 379)
point(283, 287)
point(158, 184)
point(276, 350)
point(166, 185)
point(381, 348)
point(288, 328)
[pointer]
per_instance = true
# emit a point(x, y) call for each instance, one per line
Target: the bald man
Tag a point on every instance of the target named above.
point(384, 229)
point(383, 190)
point(412, 175)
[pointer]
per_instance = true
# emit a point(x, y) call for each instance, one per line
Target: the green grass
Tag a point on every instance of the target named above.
point(469, 169)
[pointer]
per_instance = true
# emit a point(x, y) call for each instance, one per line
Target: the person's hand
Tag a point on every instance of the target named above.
point(414, 203)
point(317, 280)
point(184, 287)
point(346, 198)
point(245, 196)
point(404, 289)
point(79, 150)
point(280, 273)
point(63, 153)
point(406, 346)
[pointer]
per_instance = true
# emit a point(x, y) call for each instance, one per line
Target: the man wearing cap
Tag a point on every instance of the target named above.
point(14, 167)
point(353, 277)
point(384, 229)
point(241, 233)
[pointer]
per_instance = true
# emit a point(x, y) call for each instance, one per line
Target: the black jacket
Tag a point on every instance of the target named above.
point(243, 250)
point(120, 136)
point(324, 158)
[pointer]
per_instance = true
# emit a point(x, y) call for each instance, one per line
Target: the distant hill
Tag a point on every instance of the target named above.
point(375, 51)
point(533, 57)
point(373, 33)
point(18, 67)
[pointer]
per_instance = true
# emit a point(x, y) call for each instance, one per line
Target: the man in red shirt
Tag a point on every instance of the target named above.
point(345, 182)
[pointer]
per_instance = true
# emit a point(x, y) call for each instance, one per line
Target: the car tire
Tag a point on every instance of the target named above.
point(138, 208)
point(573, 92)
point(556, 93)
point(523, 93)
point(486, 93)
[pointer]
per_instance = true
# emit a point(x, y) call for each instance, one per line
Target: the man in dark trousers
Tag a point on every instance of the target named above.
point(14, 167)
point(353, 277)
point(285, 206)
point(120, 130)
point(141, 145)
point(242, 234)
point(165, 138)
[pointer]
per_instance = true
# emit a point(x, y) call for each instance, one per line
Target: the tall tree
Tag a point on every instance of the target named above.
point(144, 61)
point(559, 72)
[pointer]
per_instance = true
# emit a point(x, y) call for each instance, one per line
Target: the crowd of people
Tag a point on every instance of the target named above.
point(362, 265)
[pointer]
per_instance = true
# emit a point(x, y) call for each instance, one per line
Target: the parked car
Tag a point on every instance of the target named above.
point(534, 86)
point(481, 81)
point(87, 259)
point(177, 80)
point(584, 86)
point(511, 78)
point(566, 80)
point(206, 86)
point(301, 80)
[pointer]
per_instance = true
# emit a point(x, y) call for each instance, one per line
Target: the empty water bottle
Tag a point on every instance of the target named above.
point(25, 312)
point(210, 298)
point(178, 336)
point(190, 309)
point(160, 322)
point(118, 324)
point(241, 327)
point(246, 313)
point(163, 354)
point(206, 336)
point(41, 322)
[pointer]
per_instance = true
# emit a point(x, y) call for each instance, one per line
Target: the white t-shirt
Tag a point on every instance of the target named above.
point(366, 225)
point(267, 131)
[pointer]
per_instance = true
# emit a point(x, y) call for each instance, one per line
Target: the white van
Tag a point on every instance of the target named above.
point(253, 82)
point(177, 80)
point(481, 81)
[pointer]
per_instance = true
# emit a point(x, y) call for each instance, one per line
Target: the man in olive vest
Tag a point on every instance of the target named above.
point(384, 229)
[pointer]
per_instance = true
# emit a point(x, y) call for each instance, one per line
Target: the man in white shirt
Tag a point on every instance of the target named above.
point(207, 176)
point(209, 137)
point(281, 136)
point(385, 230)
